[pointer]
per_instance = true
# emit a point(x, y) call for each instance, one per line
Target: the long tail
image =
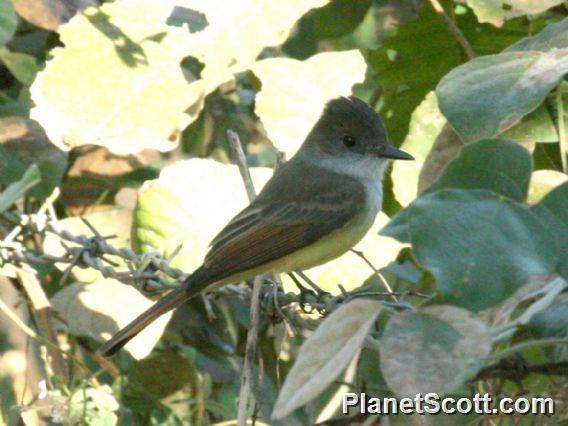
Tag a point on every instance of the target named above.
point(191, 287)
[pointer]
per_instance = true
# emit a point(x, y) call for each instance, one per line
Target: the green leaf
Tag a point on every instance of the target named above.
point(496, 11)
point(23, 67)
point(16, 189)
point(325, 354)
point(490, 94)
point(8, 21)
point(436, 349)
point(537, 126)
point(28, 145)
point(481, 247)
point(553, 211)
point(497, 165)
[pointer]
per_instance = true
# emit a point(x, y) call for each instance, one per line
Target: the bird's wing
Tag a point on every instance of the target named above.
point(268, 229)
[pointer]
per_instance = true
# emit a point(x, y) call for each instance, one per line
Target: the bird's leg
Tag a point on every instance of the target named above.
point(313, 285)
point(304, 292)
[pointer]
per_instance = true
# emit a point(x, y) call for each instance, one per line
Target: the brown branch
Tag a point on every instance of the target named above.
point(252, 335)
point(44, 314)
point(454, 29)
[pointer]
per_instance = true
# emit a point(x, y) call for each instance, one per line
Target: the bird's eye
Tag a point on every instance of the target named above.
point(348, 141)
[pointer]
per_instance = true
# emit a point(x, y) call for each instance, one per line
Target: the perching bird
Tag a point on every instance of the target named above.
point(315, 208)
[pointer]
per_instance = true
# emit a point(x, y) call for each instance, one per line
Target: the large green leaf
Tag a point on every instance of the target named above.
point(501, 166)
point(480, 246)
point(497, 165)
point(490, 94)
point(433, 350)
point(553, 210)
point(8, 21)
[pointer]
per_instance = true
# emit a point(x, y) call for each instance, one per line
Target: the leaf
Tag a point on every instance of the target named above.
point(143, 99)
point(536, 126)
point(426, 125)
point(49, 14)
point(496, 11)
point(436, 349)
point(23, 67)
point(552, 322)
point(553, 211)
point(325, 354)
point(16, 189)
point(542, 182)
point(8, 21)
point(141, 93)
point(294, 92)
point(100, 309)
point(26, 144)
point(497, 165)
point(522, 78)
point(167, 378)
point(480, 246)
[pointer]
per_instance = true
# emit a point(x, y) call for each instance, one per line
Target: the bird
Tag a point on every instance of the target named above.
point(316, 206)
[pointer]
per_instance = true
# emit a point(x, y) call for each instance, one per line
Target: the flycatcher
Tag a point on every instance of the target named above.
point(316, 207)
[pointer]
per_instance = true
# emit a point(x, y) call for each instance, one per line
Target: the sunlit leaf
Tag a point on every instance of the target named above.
point(544, 181)
point(496, 11)
point(132, 94)
point(294, 92)
point(433, 350)
point(425, 126)
point(100, 309)
point(325, 354)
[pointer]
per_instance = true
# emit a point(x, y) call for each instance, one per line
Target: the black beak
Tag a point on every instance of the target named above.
point(389, 151)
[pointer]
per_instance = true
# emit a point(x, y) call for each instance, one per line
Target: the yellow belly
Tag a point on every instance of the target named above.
point(325, 249)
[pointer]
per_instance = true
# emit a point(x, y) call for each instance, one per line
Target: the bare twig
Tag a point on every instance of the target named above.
point(377, 273)
point(42, 308)
point(454, 29)
point(252, 335)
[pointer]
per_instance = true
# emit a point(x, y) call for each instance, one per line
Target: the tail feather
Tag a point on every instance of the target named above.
point(193, 286)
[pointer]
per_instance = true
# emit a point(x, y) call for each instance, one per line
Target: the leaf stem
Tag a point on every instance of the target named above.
point(511, 350)
point(561, 128)
point(454, 29)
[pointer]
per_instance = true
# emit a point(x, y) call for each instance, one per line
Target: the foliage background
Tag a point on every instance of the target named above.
point(122, 108)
